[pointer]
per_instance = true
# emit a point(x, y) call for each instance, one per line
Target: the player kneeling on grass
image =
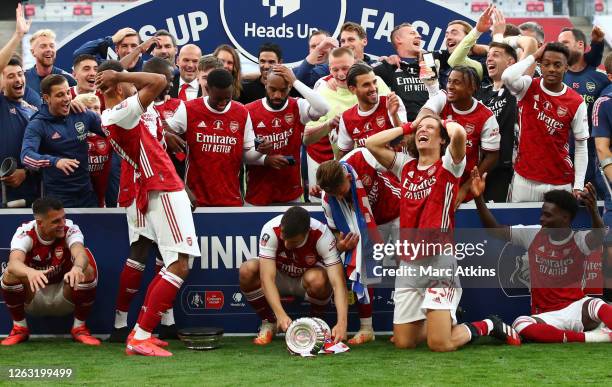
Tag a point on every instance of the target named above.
point(561, 312)
point(297, 257)
point(49, 273)
point(425, 307)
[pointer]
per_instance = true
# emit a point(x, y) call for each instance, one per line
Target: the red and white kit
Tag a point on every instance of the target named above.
point(356, 125)
point(480, 125)
point(161, 210)
point(318, 250)
point(545, 120)
point(557, 273)
point(99, 156)
point(56, 257)
point(216, 141)
point(284, 128)
point(427, 203)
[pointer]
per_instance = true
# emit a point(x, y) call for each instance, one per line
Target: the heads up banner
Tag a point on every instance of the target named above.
point(246, 24)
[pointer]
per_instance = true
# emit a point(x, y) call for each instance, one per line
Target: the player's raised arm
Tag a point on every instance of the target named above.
point(595, 237)
point(514, 76)
point(458, 138)
point(377, 144)
point(486, 217)
point(149, 85)
point(22, 26)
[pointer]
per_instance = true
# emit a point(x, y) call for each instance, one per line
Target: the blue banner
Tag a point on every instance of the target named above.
point(246, 24)
point(227, 237)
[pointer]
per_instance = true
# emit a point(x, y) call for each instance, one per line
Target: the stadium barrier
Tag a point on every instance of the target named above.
point(227, 237)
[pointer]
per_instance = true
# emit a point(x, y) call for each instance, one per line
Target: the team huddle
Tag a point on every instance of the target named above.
point(380, 163)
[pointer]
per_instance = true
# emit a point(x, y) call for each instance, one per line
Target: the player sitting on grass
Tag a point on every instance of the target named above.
point(561, 312)
point(49, 273)
point(297, 257)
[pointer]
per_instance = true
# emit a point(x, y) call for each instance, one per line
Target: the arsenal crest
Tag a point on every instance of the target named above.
point(168, 114)
point(59, 252)
point(380, 121)
point(561, 111)
point(289, 118)
point(469, 128)
point(264, 240)
point(366, 180)
point(234, 126)
point(189, 241)
point(101, 145)
point(310, 259)
point(431, 170)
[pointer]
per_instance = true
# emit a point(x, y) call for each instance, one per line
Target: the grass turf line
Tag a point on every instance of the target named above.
point(238, 362)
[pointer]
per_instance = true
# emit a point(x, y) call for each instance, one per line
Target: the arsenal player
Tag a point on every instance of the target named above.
point(342, 182)
point(218, 132)
point(160, 210)
point(425, 307)
point(297, 256)
point(371, 114)
point(560, 310)
point(280, 120)
point(99, 152)
point(548, 111)
point(457, 103)
point(49, 273)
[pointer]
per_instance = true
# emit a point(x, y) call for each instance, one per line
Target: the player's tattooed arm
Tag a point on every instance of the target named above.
point(17, 268)
point(149, 85)
point(486, 217)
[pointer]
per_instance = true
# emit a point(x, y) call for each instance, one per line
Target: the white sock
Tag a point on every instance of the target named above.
point(365, 323)
point(141, 334)
point(22, 323)
point(168, 317)
point(77, 323)
point(596, 336)
point(120, 319)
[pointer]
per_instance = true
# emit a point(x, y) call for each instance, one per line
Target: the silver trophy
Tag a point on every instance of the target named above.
point(305, 337)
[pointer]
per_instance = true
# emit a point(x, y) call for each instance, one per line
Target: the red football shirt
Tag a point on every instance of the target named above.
point(131, 132)
point(43, 255)
point(284, 128)
point(545, 120)
point(556, 268)
point(216, 141)
point(319, 248)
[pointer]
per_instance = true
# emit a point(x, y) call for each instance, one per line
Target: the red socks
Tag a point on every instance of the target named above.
point(544, 333)
point(160, 296)
point(257, 300)
point(83, 298)
point(365, 310)
point(14, 297)
point(129, 283)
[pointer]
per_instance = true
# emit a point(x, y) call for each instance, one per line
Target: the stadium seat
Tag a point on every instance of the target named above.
point(479, 6)
point(87, 10)
point(535, 6)
point(77, 10)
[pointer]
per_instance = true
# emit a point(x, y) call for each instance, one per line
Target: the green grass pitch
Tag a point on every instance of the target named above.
point(238, 362)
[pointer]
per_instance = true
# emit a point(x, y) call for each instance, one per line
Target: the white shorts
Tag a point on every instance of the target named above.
point(289, 286)
point(525, 190)
point(312, 176)
point(168, 222)
point(414, 296)
point(50, 301)
point(568, 318)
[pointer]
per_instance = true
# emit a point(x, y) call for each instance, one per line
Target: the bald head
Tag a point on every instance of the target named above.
point(188, 61)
